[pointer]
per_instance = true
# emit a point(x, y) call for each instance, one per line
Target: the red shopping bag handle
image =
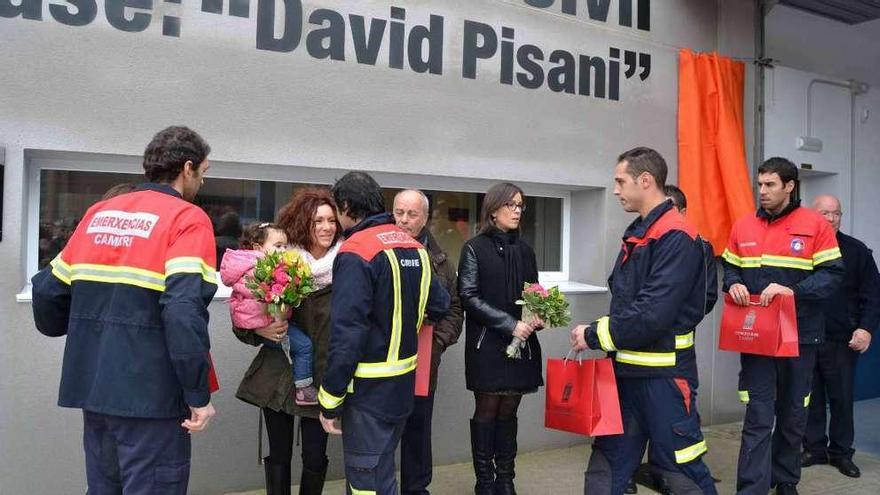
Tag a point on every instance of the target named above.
point(568, 358)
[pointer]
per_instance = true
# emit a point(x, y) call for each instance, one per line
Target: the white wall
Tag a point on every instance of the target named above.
point(810, 47)
point(786, 116)
point(94, 89)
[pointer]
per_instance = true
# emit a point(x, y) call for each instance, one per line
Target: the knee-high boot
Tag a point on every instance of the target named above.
point(505, 455)
point(277, 477)
point(312, 482)
point(483, 451)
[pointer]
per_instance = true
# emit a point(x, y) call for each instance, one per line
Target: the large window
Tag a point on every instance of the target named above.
point(66, 193)
point(455, 216)
point(230, 203)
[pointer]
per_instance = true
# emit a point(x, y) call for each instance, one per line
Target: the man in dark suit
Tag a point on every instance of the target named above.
point(851, 316)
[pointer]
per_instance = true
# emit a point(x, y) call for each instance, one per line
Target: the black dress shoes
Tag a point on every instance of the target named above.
point(786, 489)
point(809, 459)
point(846, 467)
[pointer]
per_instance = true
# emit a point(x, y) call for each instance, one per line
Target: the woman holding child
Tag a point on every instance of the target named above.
point(310, 225)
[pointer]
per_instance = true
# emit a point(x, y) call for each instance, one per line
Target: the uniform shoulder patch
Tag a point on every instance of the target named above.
point(369, 242)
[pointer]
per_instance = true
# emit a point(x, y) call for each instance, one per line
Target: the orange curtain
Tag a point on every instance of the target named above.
point(712, 168)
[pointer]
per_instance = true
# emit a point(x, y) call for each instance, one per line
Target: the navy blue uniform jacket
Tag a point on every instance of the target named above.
point(130, 290)
point(659, 288)
point(377, 310)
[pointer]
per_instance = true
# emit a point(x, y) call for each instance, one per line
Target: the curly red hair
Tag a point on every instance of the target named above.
point(296, 217)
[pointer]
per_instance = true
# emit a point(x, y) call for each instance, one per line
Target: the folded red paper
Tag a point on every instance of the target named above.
point(423, 368)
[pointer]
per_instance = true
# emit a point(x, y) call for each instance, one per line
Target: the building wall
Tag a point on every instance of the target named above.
point(97, 91)
point(842, 53)
point(849, 128)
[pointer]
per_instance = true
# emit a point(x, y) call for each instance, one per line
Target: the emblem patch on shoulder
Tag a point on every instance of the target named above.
point(797, 245)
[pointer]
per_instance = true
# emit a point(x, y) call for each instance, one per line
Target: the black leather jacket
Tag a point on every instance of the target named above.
point(491, 315)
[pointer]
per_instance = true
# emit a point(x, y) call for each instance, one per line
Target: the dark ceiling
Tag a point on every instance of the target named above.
point(848, 11)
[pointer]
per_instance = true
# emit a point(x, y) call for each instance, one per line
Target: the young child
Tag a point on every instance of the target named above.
point(249, 313)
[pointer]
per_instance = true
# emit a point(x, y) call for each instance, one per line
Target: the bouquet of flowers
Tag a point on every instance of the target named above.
point(281, 280)
point(548, 305)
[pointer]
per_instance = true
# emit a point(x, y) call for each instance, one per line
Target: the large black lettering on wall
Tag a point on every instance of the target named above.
point(27, 9)
point(292, 27)
point(115, 11)
point(78, 13)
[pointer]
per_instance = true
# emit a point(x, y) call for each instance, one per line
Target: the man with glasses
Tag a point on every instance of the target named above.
point(851, 316)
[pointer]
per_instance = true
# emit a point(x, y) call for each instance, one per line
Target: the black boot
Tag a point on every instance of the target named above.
point(505, 454)
point(483, 451)
point(277, 477)
point(312, 482)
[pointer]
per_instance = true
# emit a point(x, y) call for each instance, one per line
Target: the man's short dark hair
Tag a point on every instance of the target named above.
point(678, 198)
point(777, 165)
point(170, 149)
point(640, 160)
point(358, 195)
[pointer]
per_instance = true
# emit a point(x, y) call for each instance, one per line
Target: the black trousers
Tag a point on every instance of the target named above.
point(833, 384)
point(415, 448)
point(280, 430)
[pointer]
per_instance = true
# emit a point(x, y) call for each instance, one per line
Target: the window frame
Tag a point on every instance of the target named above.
point(37, 160)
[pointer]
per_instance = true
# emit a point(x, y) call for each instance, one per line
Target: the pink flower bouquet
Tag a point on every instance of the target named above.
point(549, 305)
point(282, 281)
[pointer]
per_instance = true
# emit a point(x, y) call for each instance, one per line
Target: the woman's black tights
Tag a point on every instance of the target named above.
point(279, 429)
point(491, 407)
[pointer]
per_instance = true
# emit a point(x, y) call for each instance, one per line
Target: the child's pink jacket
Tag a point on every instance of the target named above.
point(246, 311)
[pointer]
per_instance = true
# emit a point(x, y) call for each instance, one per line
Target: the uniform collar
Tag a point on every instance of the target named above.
point(158, 187)
point(371, 221)
point(765, 215)
point(639, 227)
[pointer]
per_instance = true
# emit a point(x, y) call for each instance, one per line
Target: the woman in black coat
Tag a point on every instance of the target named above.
point(493, 267)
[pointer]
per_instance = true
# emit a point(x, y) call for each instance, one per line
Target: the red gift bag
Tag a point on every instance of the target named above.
point(423, 368)
point(581, 397)
point(213, 382)
point(755, 329)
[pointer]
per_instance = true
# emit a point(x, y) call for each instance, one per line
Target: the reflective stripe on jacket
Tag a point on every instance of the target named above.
point(659, 295)
point(797, 249)
point(382, 290)
point(130, 290)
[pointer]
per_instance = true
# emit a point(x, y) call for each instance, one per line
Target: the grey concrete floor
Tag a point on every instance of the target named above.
point(560, 472)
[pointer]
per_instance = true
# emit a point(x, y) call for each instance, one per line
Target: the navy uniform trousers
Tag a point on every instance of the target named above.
point(664, 411)
point(135, 456)
point(833, 385)
point(369, 445)
point(775, 390)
